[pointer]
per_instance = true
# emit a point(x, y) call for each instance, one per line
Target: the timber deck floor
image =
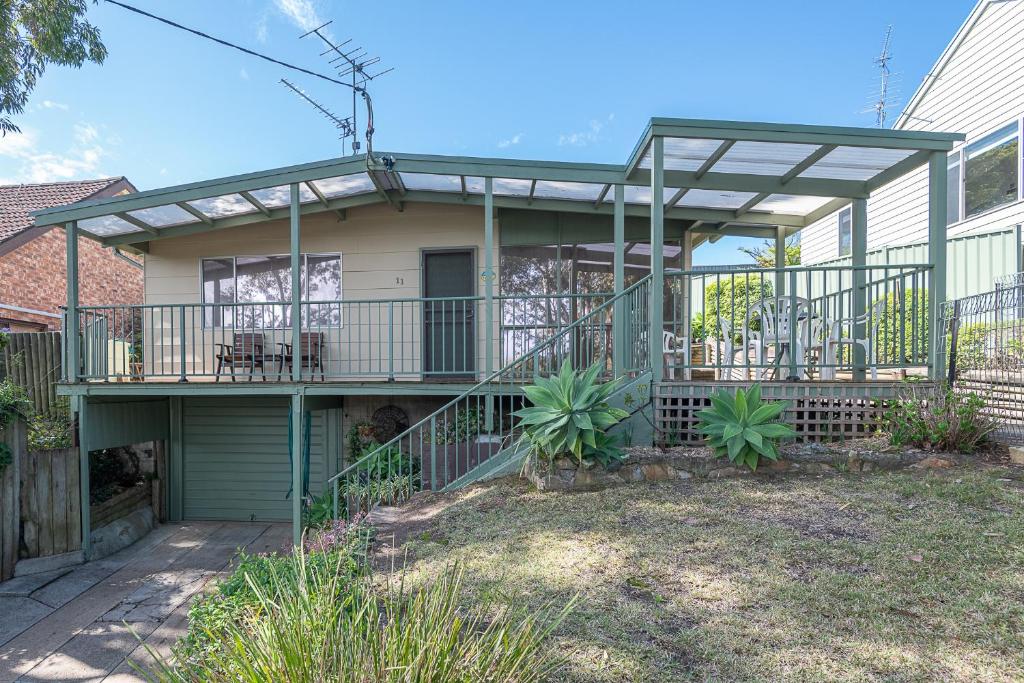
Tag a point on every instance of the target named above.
point(76, 625)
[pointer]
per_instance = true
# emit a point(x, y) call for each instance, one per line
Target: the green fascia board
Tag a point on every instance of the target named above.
point(850, 136)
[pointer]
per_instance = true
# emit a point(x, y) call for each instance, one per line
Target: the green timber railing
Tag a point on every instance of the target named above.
point(477, 425)
point(800, 322)
point(411, 339)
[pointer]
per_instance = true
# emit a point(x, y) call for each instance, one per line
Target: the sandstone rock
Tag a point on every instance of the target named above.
point(655, 472)
point(1017, 455)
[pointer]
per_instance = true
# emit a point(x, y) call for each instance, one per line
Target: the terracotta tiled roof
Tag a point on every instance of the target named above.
point(17, 201)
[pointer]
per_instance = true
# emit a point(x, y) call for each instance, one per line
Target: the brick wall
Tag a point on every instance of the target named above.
point(34, 276)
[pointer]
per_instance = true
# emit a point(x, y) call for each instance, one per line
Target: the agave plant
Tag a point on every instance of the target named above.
point(742, 427)
point(569, 415)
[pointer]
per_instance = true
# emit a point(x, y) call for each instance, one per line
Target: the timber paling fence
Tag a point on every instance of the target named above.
point(985, 351)
point(33, 360)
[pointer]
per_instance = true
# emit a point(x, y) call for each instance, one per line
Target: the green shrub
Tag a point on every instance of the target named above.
point(462, 427)
point(731, 297)
point(742, 427)
point(569, 411)
point(940, 420)
point(698, 328)
point(14, 403)
point(316, 622)
point(902, 334)
point(49, 432)
point(340, 549)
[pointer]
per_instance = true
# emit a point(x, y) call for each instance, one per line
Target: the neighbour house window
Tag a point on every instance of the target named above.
point(260, 289)
point(845, 232)
point(985, 174)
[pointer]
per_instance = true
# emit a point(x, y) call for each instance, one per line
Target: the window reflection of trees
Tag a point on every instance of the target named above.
point(544, 288)
point(259, 289)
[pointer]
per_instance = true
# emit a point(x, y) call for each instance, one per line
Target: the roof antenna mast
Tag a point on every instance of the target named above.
point(882, 61)
point(355, 64)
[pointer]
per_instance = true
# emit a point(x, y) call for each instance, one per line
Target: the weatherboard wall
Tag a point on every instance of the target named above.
point(979, 89)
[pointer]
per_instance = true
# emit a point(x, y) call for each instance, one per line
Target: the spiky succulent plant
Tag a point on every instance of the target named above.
point(742, 427)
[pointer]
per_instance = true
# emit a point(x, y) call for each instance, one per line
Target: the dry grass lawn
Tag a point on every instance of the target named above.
point(891, 577)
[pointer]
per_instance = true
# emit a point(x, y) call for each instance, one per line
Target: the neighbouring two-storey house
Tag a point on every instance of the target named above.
point(285, 308)
point(977, 88)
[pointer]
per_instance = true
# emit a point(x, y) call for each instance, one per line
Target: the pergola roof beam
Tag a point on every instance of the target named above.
point(185, 206)
point(533, 188)
point(753, 131)
point(602, 195)
point(462, 184)
point(674, 199)
point(751, 203)
point(813, 158)
point(316, 190)
point(142, 225)
point(255, 202)
point(713, 159)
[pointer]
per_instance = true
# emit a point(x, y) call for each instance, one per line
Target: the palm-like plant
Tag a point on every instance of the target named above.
point(569, 414)
point(742, 427)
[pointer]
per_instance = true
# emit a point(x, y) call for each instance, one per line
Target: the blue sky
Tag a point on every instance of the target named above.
point(537, 80)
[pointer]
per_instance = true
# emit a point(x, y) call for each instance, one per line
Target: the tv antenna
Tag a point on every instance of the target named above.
point(352, 63)
point(882, 61)
point(346, 125)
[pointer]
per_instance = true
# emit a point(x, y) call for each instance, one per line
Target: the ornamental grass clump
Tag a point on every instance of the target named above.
point(570, 415)
point(742, 427)
point(325, 625)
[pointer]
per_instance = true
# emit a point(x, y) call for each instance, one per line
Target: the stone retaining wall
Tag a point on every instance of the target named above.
point(652, 464)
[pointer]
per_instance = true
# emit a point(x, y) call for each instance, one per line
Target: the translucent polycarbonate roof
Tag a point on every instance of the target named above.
point(714, 171)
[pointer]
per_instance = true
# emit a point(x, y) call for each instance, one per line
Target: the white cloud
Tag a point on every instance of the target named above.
point(86, 133)
point(50, 104)
point(582, 138)
point(35, 165)
point(244, 75)
point(261, 29)
point(514, 140)
point(302, 13)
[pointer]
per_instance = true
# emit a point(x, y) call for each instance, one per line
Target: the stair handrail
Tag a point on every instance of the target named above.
point(532, 352)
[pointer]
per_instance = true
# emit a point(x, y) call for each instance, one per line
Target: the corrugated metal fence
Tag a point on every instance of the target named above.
point(33, 360)
point(973, 262)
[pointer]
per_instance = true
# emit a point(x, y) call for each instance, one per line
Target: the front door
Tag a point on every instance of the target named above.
point(448, 314)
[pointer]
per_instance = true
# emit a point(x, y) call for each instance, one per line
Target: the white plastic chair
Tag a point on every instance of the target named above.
point(776, 321)
point(727, 359)
point(674, 347)
point(871, 321)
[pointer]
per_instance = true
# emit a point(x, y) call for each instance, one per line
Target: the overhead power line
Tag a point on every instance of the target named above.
point(246, 50)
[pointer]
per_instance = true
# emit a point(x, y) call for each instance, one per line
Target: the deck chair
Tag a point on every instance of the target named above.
point(311, 346)
point(245, 351)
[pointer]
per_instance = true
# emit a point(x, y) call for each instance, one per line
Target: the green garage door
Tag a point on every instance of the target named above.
point(236, 458)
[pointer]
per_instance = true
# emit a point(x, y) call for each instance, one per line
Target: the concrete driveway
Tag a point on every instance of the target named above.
point(76, 625)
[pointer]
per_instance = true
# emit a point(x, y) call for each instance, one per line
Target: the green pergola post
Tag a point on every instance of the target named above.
point(296, 263)
point(71, 360)
point(937, 171)
point(858, 258)
point(80, 406)
point(657, 300)
point(686, 301)
point(619, 321)
point(296, 447)
point(488, 277)
point(780, 260)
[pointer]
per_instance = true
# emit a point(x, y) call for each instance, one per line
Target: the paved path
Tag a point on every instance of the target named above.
point(76, 625)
